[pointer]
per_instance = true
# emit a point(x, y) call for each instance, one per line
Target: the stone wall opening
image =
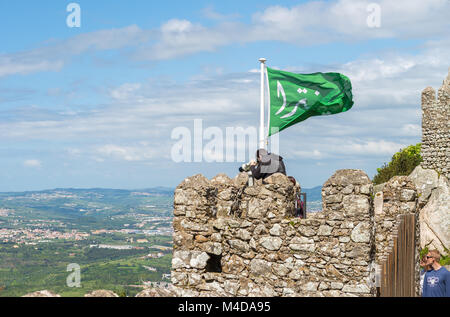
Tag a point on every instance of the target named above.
point(214, 263)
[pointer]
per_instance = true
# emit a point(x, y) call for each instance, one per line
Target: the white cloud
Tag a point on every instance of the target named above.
point(181, 37)
point(412, 129)
point(210, 13)
point(177, 26)
point(11, 66)
point(323, 21)
point(314, 154)
point(141, 152)
point(32, 163)
point(372, 148)
point(54, 57)
point(330, 147)
point(125, 91)
point(309, 23)
point(74, 152)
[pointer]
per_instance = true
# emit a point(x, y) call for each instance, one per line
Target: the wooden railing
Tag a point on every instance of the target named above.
point(398, 270)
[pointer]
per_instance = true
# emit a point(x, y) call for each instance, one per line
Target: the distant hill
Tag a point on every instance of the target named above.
point(71, 203)
point(104, 191)
point(161, 190)
point(115, 195)
point(313, 198)
point(313, 194)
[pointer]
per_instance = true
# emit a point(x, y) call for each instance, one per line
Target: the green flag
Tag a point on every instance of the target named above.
point(296, 97)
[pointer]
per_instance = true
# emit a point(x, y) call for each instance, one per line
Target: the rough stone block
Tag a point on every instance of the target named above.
point(356, 205)
point(260, 267)
point(361, 233)
point(271, 243)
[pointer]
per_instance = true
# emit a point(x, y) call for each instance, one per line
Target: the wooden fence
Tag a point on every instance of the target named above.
point(398, 270)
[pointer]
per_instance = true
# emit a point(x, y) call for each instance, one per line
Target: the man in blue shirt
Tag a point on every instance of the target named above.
point(437, 280)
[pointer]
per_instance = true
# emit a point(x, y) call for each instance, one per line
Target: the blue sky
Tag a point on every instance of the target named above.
point(95, 106)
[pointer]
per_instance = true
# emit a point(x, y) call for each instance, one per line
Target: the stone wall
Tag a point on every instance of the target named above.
point(436, 128)
point(232, 240)
point(434, 189)
point(399, 196)
point(434, 204)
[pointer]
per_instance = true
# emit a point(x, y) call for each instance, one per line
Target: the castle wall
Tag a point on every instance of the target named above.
point(236, 241)
point(399, 197)
point(436, 128)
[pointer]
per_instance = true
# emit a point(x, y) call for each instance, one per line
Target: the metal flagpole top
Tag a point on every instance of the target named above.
point(261, 116)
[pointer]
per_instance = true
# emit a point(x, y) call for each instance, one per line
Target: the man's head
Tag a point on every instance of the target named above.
point(432, 257)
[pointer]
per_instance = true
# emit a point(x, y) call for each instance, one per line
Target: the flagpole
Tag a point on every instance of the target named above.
point(261, 123)
point(266, 78)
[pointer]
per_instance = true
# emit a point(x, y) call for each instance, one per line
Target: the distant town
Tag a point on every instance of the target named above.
point(38, 232)
point(121, 239)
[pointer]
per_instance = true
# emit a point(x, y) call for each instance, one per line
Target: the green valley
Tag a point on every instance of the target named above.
point(120, 239)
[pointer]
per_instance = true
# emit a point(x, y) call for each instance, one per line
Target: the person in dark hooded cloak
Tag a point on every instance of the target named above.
point(267, 164)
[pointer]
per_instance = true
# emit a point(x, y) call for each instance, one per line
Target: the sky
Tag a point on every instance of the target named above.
point(96, 104)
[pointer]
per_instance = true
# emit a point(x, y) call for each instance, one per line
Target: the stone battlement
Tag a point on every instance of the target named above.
point(233, 240)
point(436, 128)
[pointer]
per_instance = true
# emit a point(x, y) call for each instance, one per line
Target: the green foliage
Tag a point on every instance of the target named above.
point(445, 259)
point(32, 268)
point(402, 163)
point(122, 292)
point(25, 268)
point(424, 251)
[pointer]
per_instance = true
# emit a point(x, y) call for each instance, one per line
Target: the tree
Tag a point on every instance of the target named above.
point(402, 163)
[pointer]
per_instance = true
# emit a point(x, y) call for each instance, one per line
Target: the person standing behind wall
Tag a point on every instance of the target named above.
point(267, 164)
point(423, 269)
point(436, 282)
